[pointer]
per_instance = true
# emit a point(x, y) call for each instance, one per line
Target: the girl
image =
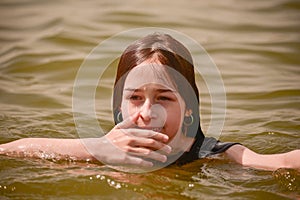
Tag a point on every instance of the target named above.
point(156, 111)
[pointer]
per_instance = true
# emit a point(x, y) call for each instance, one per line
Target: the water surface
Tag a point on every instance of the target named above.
point(255, 44)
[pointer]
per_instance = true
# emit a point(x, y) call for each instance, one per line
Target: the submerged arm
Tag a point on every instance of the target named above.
point(88, 149)
point(47, 148)
point(249, 158)
point(122, 145)
point(118, 147)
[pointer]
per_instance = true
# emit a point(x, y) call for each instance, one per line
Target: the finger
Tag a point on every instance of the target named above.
point(129, 122)
point(149, 134)
point(148, 153)
point(151, 144)
point(137, 161)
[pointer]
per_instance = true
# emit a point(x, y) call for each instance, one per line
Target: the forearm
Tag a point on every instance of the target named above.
point(249, 158)
point(47, 148)
point(292, 159)
point(93, 149)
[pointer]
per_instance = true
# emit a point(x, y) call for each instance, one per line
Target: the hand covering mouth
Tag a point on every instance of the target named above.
point(156, 129)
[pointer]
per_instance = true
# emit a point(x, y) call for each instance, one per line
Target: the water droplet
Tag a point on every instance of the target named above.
point(118, 186)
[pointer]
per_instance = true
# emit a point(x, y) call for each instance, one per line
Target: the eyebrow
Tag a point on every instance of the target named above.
point(158, 90)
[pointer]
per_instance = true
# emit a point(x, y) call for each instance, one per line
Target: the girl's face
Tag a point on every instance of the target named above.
point(149, 91)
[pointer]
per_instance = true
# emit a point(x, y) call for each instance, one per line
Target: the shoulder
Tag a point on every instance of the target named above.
point(211, 146)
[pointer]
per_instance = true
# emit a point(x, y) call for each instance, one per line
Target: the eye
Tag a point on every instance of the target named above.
point(135, 98)
point(164, 98)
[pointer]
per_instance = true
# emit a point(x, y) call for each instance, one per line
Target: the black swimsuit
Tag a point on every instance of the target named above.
point(203, 148)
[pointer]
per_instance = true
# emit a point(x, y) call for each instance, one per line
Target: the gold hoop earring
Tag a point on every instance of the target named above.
point(119, 117)
point(189, 121)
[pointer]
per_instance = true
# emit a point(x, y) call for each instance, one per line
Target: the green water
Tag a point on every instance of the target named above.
point(255, 44)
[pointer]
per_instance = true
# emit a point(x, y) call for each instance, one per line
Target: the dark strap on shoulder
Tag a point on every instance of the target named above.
point(212, 146)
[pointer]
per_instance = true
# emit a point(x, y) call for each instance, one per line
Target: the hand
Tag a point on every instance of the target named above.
point(126, 145)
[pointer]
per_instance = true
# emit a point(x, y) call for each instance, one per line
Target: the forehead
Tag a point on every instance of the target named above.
point(149, 73)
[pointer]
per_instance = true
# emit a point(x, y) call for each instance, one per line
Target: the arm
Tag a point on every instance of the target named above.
point(122, 145)
point(88, 149)
point(249, 158)
point(47, 148)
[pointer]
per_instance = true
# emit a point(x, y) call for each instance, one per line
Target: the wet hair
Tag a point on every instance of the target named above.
point(168, 52)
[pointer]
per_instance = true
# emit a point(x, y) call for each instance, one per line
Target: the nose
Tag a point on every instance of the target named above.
point(145, 111)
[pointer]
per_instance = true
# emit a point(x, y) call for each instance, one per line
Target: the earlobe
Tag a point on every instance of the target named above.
point(119, 116)
point(188, 112)
point(188, 118)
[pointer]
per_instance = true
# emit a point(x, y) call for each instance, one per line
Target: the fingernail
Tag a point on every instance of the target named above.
point(168, 149)
point(166, 138)
point(148, 164)
point(164, 159)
